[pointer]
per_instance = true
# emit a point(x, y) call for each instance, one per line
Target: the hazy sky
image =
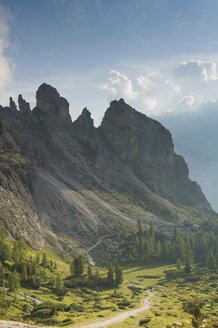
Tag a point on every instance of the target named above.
point(159, 55)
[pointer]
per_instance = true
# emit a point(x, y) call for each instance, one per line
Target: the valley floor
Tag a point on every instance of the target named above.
point(119, 317)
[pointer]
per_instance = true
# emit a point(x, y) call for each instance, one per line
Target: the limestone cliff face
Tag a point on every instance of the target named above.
point(81, 180)
point(18, 213)
point(52, 104)
point(145, 146)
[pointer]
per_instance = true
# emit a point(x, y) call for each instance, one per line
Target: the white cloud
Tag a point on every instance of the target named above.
point(179, 89)
point(6, 64)
point(150, 102)
point(119, 85)
point(150, 81)
point(196, 69)
point(187, 101)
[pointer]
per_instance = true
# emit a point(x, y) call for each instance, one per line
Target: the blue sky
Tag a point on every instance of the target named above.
point(75, 44)
point(161, 56)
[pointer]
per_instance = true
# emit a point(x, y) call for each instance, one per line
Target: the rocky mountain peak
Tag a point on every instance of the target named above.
point(50, 166)
point(85, 117)
point(84, 125)
point(12, 104)
point(50, 102)
point(24, 106)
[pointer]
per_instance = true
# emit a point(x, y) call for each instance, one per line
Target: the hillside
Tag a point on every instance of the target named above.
point(68, 183)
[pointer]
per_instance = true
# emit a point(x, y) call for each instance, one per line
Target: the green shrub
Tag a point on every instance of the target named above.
point(142, 322)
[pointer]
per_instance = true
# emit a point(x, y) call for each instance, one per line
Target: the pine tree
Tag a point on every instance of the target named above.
point(158, 248)
point(2, 274)
point(37, 258)
point(3, 290)
point(33, 267)
point(44, 260)
point(81, 265)
point(72, 269)
point(188, 258)
point(140, 231)
point(16, 252)
point(13, 282)
point(89, 271)
point(24, 271)
point(118, 275)
point(178, 263)
point(110, 274)
point(197, 317)
point(76, 266)
point(211, 260)
point(59, 285)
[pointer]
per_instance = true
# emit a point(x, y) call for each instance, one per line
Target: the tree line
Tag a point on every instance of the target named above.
point(150, 246)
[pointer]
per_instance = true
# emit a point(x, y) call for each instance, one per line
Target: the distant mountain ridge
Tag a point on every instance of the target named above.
point(61, 178)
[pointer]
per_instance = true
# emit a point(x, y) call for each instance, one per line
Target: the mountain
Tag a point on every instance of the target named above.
point(67, 183)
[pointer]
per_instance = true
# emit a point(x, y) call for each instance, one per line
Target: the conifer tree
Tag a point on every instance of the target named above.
point(110, 274)
point(89, 271)
point(13, 282)
point(72, 269)
point(44, 260)
point(59, 284)
point(178, 263)
point(37, 258)
point(81, 265)
point(24, 271)
point(197, 317)
point(211, 260)
point(118, 275)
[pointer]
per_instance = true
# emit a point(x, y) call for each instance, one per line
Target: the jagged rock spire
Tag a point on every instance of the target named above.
point(12, 104)
point(24, 106)
point(50, 102)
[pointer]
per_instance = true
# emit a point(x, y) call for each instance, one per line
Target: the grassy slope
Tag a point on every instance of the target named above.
point(101, 303)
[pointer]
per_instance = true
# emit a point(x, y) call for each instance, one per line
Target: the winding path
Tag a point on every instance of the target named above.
point(119, 317)
point(89, 257)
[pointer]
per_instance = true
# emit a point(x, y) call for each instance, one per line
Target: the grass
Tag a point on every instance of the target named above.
point(172, 300)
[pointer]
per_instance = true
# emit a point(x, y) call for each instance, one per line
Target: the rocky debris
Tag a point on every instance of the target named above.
point(23, 105)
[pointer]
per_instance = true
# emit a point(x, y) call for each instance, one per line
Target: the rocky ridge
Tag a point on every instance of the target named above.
point(70, 178)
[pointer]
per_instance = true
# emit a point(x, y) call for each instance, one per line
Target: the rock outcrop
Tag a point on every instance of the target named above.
point(23, 105)
point(82, 181)
point(12, 104)
point(51, 103)
point(145, 146)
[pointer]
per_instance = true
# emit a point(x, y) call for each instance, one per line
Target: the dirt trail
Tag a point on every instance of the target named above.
point(119, 317)
point(89, 257)
point(122, 316)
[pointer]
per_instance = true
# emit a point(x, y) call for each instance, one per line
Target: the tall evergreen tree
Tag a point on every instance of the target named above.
point(211, 260)
point(44, 260)
point(72, 270)
point(118, 275)
point(110, 273)
point(24, 271)
point(59, 285)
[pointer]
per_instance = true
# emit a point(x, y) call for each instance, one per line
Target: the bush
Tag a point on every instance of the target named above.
point(142, 322)
point(42, 313)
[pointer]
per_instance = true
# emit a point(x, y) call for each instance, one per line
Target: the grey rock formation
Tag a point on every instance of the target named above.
point(12, 104)
point(145, 146)
point(51, 103)
point(23, 105)
point(83, 181)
